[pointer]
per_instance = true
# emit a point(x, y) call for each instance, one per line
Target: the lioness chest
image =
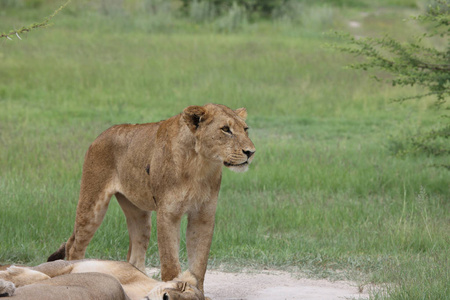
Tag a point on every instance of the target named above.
point(147, 169)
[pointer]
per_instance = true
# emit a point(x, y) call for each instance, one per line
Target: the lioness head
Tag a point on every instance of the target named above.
point(221, 135)
point(175, 290)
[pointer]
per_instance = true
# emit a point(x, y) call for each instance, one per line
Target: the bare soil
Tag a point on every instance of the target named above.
point(274, 285)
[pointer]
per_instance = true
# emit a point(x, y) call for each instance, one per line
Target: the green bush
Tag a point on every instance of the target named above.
point(202, 11)
point(235, 19)
point(414, 64)
point(262, 8)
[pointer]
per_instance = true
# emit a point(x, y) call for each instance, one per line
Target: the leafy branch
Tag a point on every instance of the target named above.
point(410, 64)
point(43, 24)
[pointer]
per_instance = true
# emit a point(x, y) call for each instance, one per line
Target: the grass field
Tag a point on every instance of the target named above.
point(325, 196)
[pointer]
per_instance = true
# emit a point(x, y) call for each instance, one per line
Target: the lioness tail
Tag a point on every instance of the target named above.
point(59, 254)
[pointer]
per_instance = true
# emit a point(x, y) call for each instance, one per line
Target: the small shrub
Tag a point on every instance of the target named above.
point(11, 3)
point(111, 7)
point(292, 12)
point(317, 17)
point(202, 11)
point(234, 20)
point(263, 8)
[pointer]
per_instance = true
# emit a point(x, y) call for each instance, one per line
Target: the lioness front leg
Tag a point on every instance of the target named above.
point(168, 230)
point(199, 233)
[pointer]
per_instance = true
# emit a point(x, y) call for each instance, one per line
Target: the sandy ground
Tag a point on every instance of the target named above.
point(274, 285)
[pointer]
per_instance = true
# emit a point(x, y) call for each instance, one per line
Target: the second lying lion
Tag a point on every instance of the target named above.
point(92, 279)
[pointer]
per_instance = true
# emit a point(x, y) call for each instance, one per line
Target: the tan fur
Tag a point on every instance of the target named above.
point(173, 167)
point(92, 279)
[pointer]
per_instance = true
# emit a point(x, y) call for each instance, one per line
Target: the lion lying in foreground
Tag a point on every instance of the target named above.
point(92, 279)
point(173, 167)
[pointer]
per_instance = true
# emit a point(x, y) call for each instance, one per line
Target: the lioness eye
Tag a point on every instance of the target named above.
point(226, 129)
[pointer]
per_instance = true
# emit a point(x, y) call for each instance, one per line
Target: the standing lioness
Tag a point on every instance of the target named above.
point(173, 167)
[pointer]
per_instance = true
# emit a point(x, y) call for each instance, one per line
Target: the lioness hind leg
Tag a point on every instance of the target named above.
point(91, 210)
point(139, 223)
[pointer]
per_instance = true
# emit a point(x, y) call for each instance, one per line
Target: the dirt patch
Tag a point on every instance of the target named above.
point(274, 285)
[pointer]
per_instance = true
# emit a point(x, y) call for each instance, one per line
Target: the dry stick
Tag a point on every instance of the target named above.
point(34, 25)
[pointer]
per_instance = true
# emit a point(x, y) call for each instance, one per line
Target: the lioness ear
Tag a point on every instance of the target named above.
point(192, 115)
point(241, 112)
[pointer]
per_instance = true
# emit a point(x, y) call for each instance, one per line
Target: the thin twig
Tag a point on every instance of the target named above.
point(28, 28)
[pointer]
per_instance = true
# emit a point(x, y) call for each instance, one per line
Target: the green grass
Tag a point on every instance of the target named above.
point(325, 195)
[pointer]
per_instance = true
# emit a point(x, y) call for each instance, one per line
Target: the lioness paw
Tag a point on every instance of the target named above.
point(7, 288)
point(188, 277)
point(22, 276)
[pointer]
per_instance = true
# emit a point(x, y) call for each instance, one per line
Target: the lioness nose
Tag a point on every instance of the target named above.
point(248, 153)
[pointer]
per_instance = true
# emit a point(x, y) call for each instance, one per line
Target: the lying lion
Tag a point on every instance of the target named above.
point(92, 279)
point(173, 167)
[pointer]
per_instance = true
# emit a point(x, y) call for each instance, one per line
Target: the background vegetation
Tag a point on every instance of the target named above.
point(414, 63)
point(327, 196)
